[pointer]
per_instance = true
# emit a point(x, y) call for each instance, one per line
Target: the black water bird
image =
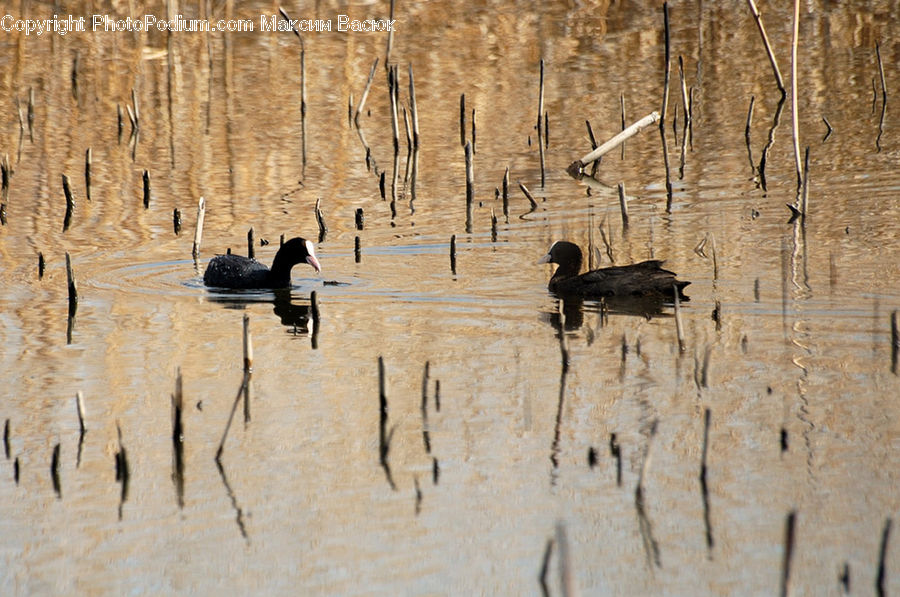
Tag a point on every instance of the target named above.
point(238, 272)
point(645, 279)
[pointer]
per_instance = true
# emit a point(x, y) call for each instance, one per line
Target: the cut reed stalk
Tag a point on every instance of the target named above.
point(198, 231)
point(251, 246)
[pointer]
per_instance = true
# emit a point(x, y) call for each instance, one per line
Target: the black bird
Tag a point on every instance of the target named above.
point(238, 272)
point(645, 279)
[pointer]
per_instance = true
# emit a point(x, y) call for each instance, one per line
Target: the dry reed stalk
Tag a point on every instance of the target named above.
point(198, 231)
point(762, 31)
point(668, 68)
point(414, 112)
point(365, 94)
point(795, 124)
point(623, 205)
point(597, 153)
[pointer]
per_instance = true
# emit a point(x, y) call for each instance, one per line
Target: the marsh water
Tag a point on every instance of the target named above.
point(570, 440)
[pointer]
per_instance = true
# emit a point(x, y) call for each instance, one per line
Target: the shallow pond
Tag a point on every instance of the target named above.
point(517, 435)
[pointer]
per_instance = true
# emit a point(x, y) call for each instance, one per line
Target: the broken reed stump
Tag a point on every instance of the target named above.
point(414, 113)
point(576, 167)
point(123, 472)
point(359, 218)
point(392, 93)
point(453, 254)
point(70, 202)
point(384, 436)
point(251, 249)
point(41, 265)
point(357, 249)
point(462, 119)
point(679, 327)
point(178, 439)
point(87, 173)
point(493, 226)
point(73, 288)
point(528, 195)
point(505, 194)
point(470, 187)
point(882, 556)
point(883, 97)
point(320, 218)
point(623, 205)
point(176, 221)
point(473, 131)
point(314, 312)
point(79, 405)
point(198, 231)
point(31, 114)
point(6, 449)
point(895, 341)
point(146, 180)
point(426, 438)
point(54, 472)
point(789, 525)
point(540, 134)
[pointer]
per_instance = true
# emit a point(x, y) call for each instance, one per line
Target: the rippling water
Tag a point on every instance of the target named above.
point(530, 407)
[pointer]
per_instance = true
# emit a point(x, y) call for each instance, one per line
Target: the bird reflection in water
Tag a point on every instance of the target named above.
point(573, 308)
point(294, 313)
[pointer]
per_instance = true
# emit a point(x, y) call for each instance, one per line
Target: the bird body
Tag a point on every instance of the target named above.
point(647, 278)
point(238, 272)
